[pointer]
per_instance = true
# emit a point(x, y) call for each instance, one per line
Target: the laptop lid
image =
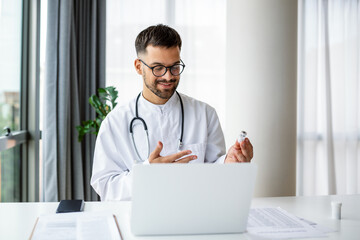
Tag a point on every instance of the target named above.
point(172, 199)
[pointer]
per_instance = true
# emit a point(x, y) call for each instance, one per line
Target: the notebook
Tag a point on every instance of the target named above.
point(172, 199)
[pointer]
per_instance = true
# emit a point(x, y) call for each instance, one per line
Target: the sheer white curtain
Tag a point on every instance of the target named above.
point(328, 153)
point(202, 26)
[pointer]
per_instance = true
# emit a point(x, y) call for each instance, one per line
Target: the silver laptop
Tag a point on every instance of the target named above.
point(170, 199)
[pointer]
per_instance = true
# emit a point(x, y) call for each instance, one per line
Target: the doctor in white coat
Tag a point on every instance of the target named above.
point(159, 125)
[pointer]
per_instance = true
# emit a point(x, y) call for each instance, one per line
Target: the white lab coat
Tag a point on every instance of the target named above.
point(115, 155)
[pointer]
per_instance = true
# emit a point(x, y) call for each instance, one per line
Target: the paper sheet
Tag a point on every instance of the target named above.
point(77, 226)
point(276, 223)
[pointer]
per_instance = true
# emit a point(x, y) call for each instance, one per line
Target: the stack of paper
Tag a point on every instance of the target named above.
point(276, 223)
point(79, 225)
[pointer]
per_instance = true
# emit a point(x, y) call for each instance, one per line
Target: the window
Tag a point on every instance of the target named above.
point(10, 85)
point(328, 98)
point(10, 174)
point(10, 63)
point(19, 151)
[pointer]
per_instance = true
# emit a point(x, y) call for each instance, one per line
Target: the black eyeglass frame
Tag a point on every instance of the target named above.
point(166, 68)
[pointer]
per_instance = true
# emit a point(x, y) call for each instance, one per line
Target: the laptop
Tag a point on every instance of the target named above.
point(173, 199)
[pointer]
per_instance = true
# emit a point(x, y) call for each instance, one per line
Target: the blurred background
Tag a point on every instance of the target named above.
point(285, 71)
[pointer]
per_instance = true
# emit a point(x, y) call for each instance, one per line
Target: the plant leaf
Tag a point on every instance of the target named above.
point(102, 108)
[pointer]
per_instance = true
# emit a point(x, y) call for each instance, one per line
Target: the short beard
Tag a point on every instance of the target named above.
point(166, 94)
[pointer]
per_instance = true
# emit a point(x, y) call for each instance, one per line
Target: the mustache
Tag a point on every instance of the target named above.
point(164, 81)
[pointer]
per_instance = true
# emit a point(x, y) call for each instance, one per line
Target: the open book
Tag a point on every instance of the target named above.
point(79, 225)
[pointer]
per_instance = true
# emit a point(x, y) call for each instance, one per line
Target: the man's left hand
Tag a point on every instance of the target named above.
point(240, 152)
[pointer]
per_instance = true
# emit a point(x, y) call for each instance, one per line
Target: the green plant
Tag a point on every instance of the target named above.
point(103, 104)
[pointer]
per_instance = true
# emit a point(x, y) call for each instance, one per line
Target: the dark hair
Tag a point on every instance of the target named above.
point(159, 35)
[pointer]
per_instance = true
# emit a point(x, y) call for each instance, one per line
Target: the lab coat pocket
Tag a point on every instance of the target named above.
point(198, 150)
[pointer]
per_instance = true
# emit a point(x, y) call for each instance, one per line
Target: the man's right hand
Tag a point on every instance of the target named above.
point(174, 158)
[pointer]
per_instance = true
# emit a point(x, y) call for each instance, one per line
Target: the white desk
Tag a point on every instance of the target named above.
point(17, 219)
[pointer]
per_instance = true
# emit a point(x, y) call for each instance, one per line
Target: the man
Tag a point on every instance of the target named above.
point(177, 128)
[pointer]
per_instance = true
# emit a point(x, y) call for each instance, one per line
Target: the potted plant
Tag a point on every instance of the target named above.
point(103, 104)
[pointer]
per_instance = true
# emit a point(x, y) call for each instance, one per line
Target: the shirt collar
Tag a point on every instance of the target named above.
point(167, 107)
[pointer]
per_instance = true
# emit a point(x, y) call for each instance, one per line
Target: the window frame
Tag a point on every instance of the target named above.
point(30, 99)
point(14, 139)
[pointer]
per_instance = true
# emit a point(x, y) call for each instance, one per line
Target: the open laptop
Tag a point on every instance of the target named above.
point(170, 199)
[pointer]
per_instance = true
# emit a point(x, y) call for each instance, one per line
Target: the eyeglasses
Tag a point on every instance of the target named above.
point(160, 70)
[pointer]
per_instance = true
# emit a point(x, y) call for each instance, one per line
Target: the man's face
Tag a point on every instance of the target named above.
point(158, 89)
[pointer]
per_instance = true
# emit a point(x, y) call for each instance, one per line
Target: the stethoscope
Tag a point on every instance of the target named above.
point(146, 129)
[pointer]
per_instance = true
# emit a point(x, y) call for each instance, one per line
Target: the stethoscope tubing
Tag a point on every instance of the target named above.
point(146, 128)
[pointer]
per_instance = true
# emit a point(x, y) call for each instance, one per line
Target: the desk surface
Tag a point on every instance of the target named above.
point(17, 219)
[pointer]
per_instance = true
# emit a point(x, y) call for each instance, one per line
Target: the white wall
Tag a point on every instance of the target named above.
point(261, 88)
